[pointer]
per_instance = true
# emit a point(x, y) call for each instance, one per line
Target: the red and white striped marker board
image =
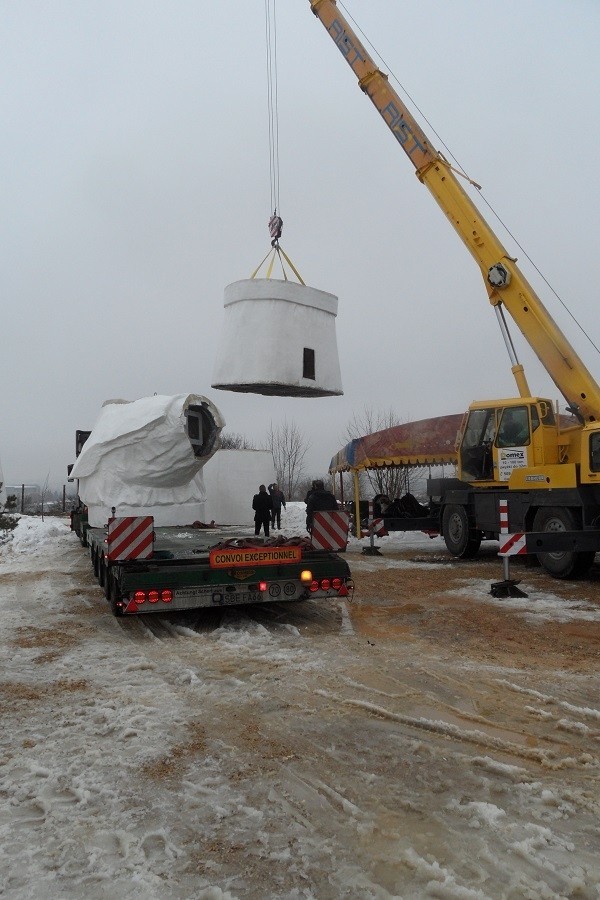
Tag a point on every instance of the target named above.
point(376, 526)
point(513, 544)
point(130, 537)
point(510, 544)
point(330, 530)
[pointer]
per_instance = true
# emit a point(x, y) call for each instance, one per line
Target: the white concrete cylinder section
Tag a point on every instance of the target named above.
point(278, 339)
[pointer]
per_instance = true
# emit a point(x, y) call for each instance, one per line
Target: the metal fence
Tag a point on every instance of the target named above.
point(32, 500)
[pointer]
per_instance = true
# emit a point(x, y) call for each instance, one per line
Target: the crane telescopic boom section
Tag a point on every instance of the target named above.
point(505, 283)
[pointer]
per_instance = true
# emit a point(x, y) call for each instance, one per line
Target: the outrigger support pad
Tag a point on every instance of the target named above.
point(506, 588)
point(372, 551)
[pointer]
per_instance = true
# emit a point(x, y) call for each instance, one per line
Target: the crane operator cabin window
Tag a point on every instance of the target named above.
point(514, 427)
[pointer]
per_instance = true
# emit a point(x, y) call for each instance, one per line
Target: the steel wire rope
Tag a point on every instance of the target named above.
point(467, 178)
point(272, 101)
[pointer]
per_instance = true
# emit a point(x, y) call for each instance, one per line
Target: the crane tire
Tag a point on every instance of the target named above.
point(460, 538)
point(565, 563)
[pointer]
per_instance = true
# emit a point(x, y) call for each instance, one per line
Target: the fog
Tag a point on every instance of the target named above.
point(136, 187)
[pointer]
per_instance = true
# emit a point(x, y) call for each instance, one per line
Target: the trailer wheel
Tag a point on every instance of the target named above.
point(101, 571)
point(107, 579)
point(567, 563)
point(461, 540)
point(114, 595)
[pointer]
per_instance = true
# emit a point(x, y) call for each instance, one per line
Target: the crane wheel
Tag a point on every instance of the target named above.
point(565, 563)
point(460, 538)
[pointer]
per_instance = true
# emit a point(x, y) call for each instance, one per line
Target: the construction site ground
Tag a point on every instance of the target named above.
point(419, 739)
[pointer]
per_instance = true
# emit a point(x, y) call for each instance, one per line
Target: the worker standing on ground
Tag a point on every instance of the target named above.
point(278, 501)
point(262, 504)
point(316, 500)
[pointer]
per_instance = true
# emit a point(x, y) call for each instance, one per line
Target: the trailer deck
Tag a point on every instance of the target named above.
point(193, 567)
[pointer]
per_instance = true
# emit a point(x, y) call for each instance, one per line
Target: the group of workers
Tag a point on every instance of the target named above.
point(267, 506)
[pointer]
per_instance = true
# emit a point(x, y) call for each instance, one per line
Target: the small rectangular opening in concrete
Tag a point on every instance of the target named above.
point(308, 365)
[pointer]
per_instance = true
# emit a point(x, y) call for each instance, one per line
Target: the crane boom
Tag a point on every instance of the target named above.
point(505, 284)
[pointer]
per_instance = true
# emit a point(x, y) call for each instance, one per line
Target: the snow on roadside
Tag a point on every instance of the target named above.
point(33, 531)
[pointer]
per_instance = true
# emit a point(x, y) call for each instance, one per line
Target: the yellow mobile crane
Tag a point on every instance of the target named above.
point(513, 449)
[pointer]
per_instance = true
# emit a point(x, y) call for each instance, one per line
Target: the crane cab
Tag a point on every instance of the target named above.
point(500, 438)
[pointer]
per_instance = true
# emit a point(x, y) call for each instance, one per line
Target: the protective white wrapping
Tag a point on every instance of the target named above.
point(269, 327)
point(232, 478)
point(140, 460)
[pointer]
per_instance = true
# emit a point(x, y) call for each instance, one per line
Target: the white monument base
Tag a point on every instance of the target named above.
point(278, 339)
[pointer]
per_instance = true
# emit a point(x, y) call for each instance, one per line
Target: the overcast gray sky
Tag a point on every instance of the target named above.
point(135, 186)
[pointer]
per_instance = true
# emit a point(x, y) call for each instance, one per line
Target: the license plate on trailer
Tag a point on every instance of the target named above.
point(187, 598)
point(225, 599)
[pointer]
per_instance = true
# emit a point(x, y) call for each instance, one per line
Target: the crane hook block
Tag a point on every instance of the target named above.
point(275, 228)
point(499, 276)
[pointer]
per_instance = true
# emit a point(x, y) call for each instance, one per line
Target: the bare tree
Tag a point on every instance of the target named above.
point(289, 448)
point(230, 440)
point(391, 481)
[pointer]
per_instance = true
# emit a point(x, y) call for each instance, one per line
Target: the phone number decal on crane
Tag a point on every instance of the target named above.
point(252, 556)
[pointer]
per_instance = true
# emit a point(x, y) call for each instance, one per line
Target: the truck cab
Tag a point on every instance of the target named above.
point(498, 438)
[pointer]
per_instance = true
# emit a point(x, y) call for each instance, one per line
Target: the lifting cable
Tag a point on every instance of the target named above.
point(459, 170)
point(273, 115)
point(275, 222)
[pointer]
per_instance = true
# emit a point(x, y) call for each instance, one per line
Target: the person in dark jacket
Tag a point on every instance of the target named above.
point(278, 501)
point(316, 500)
point(309, 491)
point(262, 505)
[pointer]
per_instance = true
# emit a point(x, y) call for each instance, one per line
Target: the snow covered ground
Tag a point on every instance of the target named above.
point(420, 740)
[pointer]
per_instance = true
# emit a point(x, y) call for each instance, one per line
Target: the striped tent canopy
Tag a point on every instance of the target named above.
point(427, 442)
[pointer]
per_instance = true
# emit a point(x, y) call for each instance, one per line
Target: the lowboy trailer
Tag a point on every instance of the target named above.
point(185, 567)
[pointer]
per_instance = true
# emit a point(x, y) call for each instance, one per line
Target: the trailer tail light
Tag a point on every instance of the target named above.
point(328, 584)
point(165, 595)
point(262, 586)
point(306, 576)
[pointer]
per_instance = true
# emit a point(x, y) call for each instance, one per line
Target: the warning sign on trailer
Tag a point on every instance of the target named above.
point(254, 556)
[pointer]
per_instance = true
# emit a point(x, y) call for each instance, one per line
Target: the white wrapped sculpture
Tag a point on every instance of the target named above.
point(145, 458)
point(278, 339)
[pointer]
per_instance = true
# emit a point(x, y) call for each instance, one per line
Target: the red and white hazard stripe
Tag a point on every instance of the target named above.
point(130, 537)
point(510, 544)
point(513, 544)
point(503, 504)
point(376, 526)
point(330, 530)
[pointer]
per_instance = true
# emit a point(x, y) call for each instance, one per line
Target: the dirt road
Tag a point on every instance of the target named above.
point(421, 739)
